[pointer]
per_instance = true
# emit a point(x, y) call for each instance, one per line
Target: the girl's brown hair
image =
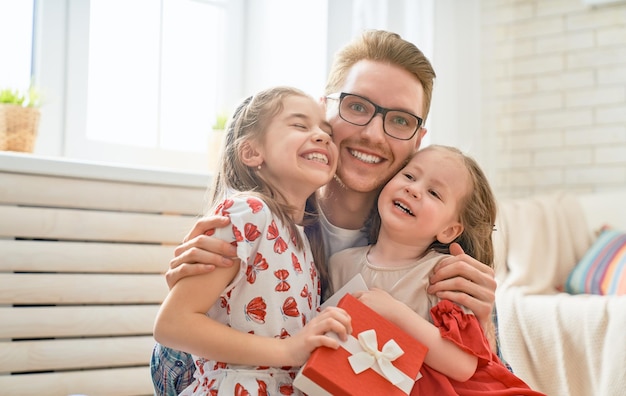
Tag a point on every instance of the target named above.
point(477, 212)
point(249, 122)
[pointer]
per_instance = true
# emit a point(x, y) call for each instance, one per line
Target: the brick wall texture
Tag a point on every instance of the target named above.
point(554, 95)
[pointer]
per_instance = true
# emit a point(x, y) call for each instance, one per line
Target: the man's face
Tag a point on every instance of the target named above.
point(368, 157)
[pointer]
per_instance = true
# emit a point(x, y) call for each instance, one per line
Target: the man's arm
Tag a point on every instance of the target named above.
point(200, 253)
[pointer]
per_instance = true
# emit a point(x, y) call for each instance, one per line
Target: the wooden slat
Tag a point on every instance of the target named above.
point(79, 353)
point(33, 190)
point(88, 321)
point(135, 381)
point(85, 241)
point(81, 288)
point(60, 256)
point(48, 223)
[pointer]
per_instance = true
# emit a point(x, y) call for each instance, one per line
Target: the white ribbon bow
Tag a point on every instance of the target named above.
point(370, 355)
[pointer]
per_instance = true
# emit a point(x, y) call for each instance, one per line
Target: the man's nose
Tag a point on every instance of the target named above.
point(374, 130)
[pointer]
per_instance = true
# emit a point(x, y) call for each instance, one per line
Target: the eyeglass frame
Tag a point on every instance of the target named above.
point(339, 96)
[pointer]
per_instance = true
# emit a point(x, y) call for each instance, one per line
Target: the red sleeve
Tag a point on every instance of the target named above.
point(491, 378)
point(462, 329)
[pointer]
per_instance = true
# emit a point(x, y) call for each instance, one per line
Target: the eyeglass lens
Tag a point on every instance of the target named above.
point(360, 111)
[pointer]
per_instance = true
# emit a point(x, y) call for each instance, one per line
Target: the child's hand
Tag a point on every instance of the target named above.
point(381, 302)
point(313, 334)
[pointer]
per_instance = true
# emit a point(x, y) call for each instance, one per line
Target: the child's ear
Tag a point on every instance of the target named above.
point(250, 155)
point(450, 233)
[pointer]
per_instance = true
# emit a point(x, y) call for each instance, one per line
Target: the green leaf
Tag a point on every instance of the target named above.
point(27, 98)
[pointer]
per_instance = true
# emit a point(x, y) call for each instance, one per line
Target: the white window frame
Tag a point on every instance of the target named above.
point(61, 67)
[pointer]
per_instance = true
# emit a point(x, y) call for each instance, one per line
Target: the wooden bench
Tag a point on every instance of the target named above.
point(82, 252)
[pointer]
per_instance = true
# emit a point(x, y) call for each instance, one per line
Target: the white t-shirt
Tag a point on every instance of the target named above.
point(336, 239)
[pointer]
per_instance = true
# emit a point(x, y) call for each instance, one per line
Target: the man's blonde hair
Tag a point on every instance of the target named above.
point(386, 47)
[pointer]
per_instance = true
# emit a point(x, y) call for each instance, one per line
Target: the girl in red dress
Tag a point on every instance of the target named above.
point(440, 198)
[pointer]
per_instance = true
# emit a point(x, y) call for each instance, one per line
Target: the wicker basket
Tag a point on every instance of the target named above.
point(18, 127)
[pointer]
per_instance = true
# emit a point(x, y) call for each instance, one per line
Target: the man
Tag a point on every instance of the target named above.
point(377, 80)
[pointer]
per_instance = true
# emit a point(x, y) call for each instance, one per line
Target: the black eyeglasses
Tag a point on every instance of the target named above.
point(358, 110)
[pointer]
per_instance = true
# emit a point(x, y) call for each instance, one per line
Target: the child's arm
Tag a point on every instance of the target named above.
point(443, 355)
point(182, 324)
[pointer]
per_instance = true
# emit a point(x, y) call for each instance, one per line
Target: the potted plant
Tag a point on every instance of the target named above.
point(220, 121)
point(19, 119)
point(215, 139)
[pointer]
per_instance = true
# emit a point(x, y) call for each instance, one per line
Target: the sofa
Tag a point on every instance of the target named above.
point(559, 338)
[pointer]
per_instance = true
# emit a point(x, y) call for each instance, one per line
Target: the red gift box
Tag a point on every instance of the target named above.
point(329, 372)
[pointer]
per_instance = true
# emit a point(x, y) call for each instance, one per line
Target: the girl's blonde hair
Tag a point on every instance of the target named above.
point(477, 213)
point(249, 123)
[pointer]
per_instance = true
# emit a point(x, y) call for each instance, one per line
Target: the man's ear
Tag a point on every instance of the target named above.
point(450, 233)
point(250, 155)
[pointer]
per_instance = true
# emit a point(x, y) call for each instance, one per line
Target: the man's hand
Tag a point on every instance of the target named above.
point(468, 282)
point(200, 253)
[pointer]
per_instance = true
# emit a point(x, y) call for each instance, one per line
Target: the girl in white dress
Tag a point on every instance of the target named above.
point(249, 327)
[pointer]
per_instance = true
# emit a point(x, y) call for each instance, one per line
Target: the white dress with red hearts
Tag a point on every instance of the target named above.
point(274, 294)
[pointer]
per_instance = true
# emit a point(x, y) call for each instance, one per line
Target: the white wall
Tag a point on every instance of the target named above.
point(289, 33)
point(554, 94)
point(456, 108)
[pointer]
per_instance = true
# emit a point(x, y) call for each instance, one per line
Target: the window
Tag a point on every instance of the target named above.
point(155, 83)
point(152, 80)
point(127, 81)
point(16, 32)
point(141, 81)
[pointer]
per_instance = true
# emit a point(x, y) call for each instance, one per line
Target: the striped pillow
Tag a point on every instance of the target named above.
point(602, 270)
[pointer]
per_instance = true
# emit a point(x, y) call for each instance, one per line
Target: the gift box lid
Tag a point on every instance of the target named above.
point(331, 369)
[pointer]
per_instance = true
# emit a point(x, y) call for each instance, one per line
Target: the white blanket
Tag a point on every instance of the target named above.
point(558, 343)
